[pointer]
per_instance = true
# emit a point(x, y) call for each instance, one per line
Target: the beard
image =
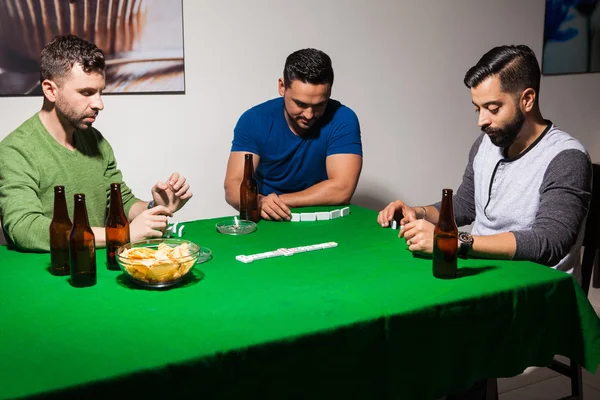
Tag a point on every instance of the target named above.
point(300, 124)
point(505, 136)
point(71, 118)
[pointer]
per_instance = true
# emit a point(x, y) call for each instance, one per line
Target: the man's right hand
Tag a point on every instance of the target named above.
point(273, 208)
point(387, 214)
point(150, 223)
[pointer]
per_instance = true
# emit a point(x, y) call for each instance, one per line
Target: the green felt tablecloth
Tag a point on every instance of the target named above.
point(364, 320)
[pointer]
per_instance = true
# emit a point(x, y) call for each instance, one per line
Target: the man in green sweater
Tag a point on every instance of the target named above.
point(58, 146)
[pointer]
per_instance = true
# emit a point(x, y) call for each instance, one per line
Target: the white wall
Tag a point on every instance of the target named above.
point(399, 64)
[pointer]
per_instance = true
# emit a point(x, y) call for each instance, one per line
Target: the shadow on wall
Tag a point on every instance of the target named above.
point(373, 196)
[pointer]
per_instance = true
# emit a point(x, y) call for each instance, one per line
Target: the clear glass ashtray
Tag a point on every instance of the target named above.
point(235, 226)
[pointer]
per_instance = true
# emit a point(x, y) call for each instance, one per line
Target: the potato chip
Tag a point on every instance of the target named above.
point(164, 264)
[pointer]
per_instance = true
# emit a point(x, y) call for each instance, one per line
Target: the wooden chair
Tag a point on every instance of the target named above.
point(591, 241)
point(596, 281)
point(590, 262)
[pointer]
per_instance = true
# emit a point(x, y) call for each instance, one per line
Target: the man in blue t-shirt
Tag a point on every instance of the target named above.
point(306, 147)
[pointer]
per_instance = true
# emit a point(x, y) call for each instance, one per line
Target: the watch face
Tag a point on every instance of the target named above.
point(465, 237)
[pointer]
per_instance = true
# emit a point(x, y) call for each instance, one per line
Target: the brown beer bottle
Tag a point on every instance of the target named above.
point(117, 227)
point(445, 240)
point(60, 228)
point(82, 248)
point(249, 192)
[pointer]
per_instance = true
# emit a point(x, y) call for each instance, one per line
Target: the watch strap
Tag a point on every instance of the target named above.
point(464, 245)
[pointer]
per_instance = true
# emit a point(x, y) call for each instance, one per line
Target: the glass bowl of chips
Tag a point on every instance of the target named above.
point(160, 263)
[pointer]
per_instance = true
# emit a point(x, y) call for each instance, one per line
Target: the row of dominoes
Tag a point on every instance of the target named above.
point(285, 252)
point(320, 216)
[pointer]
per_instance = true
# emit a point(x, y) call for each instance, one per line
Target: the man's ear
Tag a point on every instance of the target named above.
point(49, 88)
point(528, 99)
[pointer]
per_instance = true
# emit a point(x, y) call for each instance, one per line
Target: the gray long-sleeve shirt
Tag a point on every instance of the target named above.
point(541, 196)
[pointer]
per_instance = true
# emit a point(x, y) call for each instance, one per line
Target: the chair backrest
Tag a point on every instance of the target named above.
point(591, 241)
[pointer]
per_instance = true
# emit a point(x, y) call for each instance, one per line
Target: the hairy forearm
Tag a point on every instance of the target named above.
point(328, 192)
point(500, 246)
point(136, 209)
point(430, 213)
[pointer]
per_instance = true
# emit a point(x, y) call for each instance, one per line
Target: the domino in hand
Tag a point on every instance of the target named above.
point(173, 231)
point(395, 225)
point(285, 252)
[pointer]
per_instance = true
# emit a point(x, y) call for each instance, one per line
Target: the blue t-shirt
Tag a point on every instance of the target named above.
point(289, 163)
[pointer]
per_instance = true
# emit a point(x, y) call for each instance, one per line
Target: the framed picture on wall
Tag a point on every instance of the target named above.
point(142, 41)
point(571, 37)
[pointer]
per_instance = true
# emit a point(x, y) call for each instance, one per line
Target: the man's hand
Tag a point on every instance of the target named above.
point(150, 223)
point(387, 214)
point(419, 236)
point(173, 194)
point(272, 207)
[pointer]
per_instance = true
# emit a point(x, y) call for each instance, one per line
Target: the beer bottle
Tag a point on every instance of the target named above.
point(82, 248)
point(117, 226)
point(445, 240)
point(249, 192)
point(60, 227)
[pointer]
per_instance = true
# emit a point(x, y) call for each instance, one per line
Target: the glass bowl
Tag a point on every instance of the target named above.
point(160, 263)
point(235, 226)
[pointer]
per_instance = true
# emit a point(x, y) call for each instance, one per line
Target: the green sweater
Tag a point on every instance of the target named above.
point(32, 162)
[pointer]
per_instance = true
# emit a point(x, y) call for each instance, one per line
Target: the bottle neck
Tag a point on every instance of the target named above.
point(447, 209)
point(446, 221)
point(80, 216)
point(116, 201)
point(248, 169)
point(60, 204)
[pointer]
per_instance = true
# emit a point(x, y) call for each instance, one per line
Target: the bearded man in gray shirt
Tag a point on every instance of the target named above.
point(527, 185)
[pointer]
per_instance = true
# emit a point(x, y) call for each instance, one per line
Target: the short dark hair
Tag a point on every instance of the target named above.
point(309, 66)
point(516, 66)
point(59, 56)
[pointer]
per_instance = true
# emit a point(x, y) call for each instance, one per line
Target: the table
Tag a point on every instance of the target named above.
point(363, 320)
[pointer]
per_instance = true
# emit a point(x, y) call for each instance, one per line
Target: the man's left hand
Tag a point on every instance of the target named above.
point(172, 194)
point(419, 236)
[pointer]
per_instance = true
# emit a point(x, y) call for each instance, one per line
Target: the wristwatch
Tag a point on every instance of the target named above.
point(466, 243)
